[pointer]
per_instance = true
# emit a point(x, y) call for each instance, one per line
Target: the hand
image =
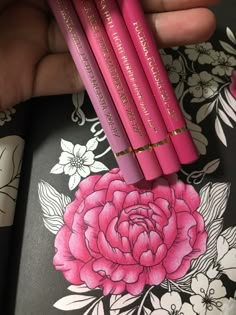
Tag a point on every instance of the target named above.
point(34, 60)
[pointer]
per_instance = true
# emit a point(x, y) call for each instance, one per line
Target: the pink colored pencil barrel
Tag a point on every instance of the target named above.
point(158, 80)
point(116, 83)
point(96, 88)
point(138, 84)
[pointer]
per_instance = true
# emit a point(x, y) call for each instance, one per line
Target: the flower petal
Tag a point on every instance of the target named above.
point(198, 305)
point(200, 284)
point(171, 302)
point(88, 158)
point(69, 169)
point(65, 158)
point(216, 289)
point(83, 171)
point(63, 259)
point(79, 150)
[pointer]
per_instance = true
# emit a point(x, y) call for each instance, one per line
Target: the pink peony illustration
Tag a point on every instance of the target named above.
point(120, 237)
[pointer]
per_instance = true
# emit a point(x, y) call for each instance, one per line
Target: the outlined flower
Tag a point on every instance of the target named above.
point(224, 64)
point(174, 67)
point(78, 161)
point(209, 296)
point(122, 237)
point(202, 85)
point(171, 304)
point(203, 53)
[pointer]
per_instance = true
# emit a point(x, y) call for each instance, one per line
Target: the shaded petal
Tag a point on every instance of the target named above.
point(108, 213)
point(84, 171)
point(181, 247)
point(155, 275)
point(188, 194)
point(115, 272)
point(137, 287)
point(64, 260)
point(69, 169)
point(79, 150)
point(114, 254)
point(88, 158)
point(77, 241)
point(115, 238)
point(65, 158)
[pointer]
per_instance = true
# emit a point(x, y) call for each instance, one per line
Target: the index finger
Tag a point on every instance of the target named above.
point(154, 6)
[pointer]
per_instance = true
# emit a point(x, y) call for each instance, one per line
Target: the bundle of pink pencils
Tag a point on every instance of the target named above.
point(119, 63)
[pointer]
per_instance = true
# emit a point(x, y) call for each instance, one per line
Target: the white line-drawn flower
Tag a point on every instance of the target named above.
point(209, 296)
point(171, 303)
point(203, 53)
point(202, 85)
point(224, 64)
point(174, 67)
point(78, 161)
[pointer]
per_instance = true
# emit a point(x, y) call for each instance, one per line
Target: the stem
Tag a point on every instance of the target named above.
point(143, 300)
point(178, 287)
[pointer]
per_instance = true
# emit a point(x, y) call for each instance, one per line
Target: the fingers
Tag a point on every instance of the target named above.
point(169, 29)
point(174, 5)
point(56, 74)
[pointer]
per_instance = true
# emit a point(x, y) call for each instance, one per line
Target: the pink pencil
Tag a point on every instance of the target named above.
point(138, 84)
point(158, 80)
point(116, 83)
point(96, 88)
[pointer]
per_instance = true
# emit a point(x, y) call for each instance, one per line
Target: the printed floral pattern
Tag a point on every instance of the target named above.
point(160, 248)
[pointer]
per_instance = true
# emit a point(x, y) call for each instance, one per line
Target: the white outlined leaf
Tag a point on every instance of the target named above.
point(228, 47)
point(220, 132)
point(67, 146)
point(92, 144)
point(53, 205)
point(147, 311)
point(98, 309)
point(113, 299)
point(214, 199)
point(204, 111)
point(98, 167)
point(155, 301)
point(230, 35)
point(79, 288)
point(73, 302)
point(224, 118)
point(124, 301)
point(211, 167)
